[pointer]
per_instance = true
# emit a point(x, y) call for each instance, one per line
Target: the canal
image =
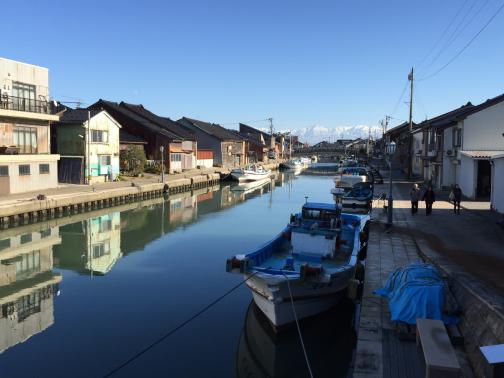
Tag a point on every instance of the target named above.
point(80, 295)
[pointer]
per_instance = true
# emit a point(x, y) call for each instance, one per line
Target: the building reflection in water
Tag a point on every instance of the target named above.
point(27, 285)
point(91, 246)
point(329, 340)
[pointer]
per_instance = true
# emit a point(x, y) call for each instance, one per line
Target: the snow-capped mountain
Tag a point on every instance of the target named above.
point(318, 133)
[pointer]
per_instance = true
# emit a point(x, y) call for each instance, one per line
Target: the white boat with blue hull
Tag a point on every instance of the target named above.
point(315, 258)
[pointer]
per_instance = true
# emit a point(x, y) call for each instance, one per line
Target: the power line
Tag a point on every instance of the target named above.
point(178, 327)
point(400, 98)
point(442, 35)
point(458, 31)
point(466, 45)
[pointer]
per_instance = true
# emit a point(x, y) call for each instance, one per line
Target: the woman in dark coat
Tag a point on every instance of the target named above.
point(429, 198)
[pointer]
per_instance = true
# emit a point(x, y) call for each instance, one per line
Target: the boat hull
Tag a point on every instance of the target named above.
point(310, 297)
point(248, 177)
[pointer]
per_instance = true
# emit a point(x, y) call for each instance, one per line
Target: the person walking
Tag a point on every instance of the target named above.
point(429, 197)
point(457, 197)
point(415, 197)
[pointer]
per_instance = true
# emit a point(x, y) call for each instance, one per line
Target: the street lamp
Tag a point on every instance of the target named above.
point(391, 148)
point(162, 162)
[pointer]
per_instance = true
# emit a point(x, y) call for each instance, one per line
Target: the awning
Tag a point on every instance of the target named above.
point(482, 154)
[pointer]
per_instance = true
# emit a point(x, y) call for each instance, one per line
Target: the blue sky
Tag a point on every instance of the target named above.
point(330, 63)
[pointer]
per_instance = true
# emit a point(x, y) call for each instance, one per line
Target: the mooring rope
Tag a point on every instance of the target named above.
point(175, 329)
point(298, 328)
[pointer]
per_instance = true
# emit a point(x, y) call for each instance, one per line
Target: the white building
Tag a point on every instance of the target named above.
point(497, 195)
point(87, 151)
point(26, 162)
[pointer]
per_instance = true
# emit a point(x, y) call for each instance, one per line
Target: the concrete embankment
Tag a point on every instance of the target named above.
point(23, 211)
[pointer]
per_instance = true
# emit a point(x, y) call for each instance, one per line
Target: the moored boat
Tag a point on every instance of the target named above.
point(358, 199)
point(252, 172)
point(311, 262)
point(292, 164)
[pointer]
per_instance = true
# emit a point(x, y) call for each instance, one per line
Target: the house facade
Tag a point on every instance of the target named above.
point(178, 144)
point(87, 150)
point(229, 149)
point(26, 162)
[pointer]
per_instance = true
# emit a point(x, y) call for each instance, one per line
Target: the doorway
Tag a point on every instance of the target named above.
point(484, 179)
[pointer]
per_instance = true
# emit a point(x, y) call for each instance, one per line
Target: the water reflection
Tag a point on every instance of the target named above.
point(93, 244)
point(27, 285)
point(328, 339)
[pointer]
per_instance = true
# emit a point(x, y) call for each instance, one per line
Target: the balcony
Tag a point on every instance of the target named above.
point(25, 108)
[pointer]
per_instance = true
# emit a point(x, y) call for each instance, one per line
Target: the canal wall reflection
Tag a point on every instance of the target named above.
point(91, 244)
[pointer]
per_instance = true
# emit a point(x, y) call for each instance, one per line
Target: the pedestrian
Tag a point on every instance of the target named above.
point(415, 197)
point(456, 196)
point(429, 197)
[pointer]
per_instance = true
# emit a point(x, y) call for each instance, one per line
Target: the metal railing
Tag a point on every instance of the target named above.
point(24, 104)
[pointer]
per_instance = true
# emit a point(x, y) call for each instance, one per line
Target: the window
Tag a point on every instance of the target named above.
point(4, 244)
point(105, 225)
point(4, 170)
point(24, 169)
point(26, 238)
point(45, 233)
point(43, 168)
point(101, 249)
point(99, 136)
point(28, 264)
point(25, 138)
point(23, 96)
point(456, 137)
point(176, 157)
point(104, 159)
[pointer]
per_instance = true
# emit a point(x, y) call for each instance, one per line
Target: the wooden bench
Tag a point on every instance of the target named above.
point(440, 357)
point(494, 355)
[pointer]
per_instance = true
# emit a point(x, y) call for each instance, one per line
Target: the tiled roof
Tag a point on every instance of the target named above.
point(114, 107)
point(213, 129)
point(77, 115)
point(164, 122)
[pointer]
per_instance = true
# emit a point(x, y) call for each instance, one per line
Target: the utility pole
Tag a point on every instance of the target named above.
point(410, 139)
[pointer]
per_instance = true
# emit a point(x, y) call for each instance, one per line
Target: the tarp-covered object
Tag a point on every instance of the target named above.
point(416, 291)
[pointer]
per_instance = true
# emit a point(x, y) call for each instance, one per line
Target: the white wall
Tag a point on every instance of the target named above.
point(467, 176)
point(417, 163)
point(483, 130)
point(10, 71)
point(497, 198)
point(449, 168)
point(207, 163)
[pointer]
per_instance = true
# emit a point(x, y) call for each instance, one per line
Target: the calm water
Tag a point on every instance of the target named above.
point(80, 295)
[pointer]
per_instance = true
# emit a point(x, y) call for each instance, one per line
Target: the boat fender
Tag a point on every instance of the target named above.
point(363, 237)
point(233, 264)
point(359, 272)
point(287, 235)
point(307, 271)
point(353, 289)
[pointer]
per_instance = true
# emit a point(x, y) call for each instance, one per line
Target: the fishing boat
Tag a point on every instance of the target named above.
point(311, 262)
point(359, 199)
point(348, 177)
point(305, 161)
point(252, 172)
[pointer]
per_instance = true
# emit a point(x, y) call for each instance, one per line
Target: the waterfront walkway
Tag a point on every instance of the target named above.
point(467, 248)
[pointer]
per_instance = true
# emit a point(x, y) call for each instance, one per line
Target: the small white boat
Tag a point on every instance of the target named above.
point(292, 164)
point(305, 161)
point(253, 172)
point(314, 159)
point(248, 186)
point(311, 262)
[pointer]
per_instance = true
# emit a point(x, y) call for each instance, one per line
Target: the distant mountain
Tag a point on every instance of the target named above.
point(317, 133)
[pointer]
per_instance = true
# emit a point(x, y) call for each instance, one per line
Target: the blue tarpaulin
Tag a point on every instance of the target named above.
point(416, 291)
